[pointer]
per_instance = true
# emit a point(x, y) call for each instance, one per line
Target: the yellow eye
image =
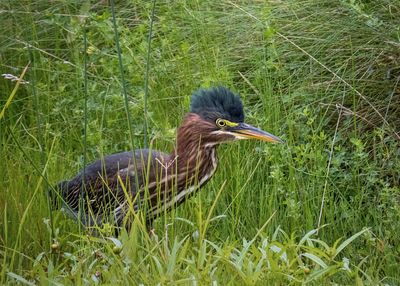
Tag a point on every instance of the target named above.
point(220, 122)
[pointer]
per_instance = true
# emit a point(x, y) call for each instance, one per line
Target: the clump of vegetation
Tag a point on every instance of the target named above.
point(324, 209)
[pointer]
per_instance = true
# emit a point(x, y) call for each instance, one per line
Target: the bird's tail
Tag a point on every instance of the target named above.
point(58, 196)
point(57, 193)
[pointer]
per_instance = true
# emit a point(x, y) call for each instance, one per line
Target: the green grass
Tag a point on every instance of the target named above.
point(324, 75)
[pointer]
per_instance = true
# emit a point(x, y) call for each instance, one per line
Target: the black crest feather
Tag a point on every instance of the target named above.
point(217, 102)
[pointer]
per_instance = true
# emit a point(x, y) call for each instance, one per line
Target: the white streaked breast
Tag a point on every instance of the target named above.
point(191, 189)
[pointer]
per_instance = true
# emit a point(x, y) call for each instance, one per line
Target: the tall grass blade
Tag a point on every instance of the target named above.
point(124, 91)
point(146, 79)
point(320, 273)
point(210, 212)
point(40, 140)
point(316, 259)
point(85, 123)
point(348, 241)
point(122, 74)
point(3, 251)
point(328, 168)
point(385, 122)
point(36, 168)
point(14, 92)
point(20, 279)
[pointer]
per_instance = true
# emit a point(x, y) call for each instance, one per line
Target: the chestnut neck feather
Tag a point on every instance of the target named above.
point(194, 146)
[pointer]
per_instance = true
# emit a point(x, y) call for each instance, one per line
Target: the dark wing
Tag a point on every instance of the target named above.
point(105, 184)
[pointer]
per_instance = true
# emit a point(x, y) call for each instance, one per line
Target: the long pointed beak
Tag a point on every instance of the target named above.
point(246, 131)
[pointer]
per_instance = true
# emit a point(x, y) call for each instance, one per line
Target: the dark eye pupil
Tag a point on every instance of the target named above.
point(221, 123)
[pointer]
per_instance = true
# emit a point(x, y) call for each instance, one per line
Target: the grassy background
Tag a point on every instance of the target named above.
point(323, 75)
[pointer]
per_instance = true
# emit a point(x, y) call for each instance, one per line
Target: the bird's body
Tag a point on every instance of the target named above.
point(103, 185)
point(153, 181)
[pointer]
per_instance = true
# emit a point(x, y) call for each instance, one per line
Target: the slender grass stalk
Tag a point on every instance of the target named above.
point(124, 91)
point(85, 116)
point(5, 251)
point(328, 168)
point(14, 92)
point(37, 169)
point(122, 74)
point(263, 226)
point(375, 109)
point(330, 70)
point(146, 79)
point(210, 212)
point(41, 141)
point(25, 213)
point(243, 187)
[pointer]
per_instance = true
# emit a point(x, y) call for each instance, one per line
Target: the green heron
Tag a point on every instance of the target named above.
point(152, 181)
